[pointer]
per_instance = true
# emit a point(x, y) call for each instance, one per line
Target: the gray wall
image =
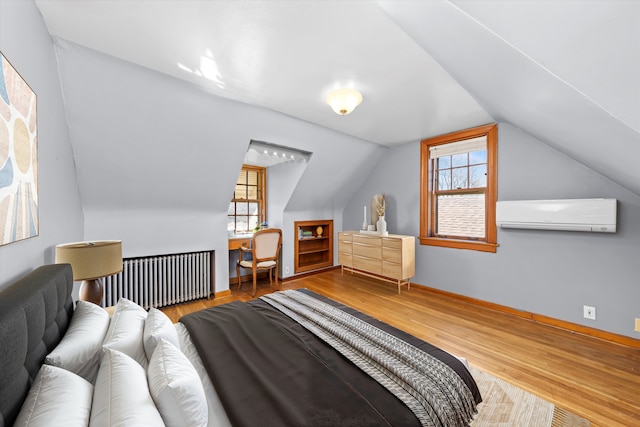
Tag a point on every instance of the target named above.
point(25, 42)
point(552, 273)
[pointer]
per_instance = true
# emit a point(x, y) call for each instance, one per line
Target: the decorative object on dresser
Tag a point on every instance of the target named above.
point(90, 262)
point(381, 226)
point(378, 224)
point(390, 257)
point(313, 247)
point(376, 202)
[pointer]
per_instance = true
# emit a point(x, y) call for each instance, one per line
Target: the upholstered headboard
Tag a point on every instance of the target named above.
point(34, 315)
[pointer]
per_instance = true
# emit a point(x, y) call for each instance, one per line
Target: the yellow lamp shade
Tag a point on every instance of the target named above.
point(91, 260)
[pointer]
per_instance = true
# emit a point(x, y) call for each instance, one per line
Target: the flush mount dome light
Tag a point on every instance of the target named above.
point(344, 101)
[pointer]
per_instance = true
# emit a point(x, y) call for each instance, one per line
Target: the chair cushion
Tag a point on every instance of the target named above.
point(266, 264)
point(246, 264)
point(263, 264)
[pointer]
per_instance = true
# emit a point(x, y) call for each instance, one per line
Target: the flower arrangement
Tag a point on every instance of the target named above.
point(381, 205)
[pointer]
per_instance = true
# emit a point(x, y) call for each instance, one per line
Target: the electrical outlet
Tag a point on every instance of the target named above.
point(286, 270)
point(637, 325)
point(589, 312)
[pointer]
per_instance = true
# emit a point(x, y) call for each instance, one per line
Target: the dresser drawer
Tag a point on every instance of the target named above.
point(347, 237)
point(391, 255)
point(392, 269)
point(388, 242)
point(344, 246)
point(367, 250)
point(367, 240)
point(368, 264)
point(345, 259)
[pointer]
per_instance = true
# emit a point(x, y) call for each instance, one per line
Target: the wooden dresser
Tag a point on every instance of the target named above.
point(390, 257)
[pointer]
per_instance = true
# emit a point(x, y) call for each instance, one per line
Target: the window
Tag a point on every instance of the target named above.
point(248, 207)
point(458, 189)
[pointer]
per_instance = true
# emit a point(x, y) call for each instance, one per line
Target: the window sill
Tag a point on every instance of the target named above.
point(459, 244)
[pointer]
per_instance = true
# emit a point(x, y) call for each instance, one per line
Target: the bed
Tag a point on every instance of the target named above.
point(288, 358)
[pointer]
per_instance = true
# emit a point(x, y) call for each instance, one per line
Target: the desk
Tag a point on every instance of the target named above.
point(237, 241)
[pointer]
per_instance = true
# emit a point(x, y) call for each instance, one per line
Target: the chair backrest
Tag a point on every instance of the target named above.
point(266, 244)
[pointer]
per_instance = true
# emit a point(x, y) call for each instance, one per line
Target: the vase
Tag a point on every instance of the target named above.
point(382, 225)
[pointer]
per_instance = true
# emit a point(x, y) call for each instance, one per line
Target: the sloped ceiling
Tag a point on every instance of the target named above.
point(567, 72)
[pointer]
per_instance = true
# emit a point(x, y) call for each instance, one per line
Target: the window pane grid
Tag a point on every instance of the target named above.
point(461, 171)
point(459, 195)
point(246, 209)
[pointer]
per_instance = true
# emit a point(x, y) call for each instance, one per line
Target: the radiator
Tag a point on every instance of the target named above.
point(162, 280)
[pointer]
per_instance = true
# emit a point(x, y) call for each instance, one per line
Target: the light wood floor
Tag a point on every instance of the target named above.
point(590, 377)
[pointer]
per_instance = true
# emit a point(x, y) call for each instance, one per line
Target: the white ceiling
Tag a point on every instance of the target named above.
point(565, 71)
point(283, 55)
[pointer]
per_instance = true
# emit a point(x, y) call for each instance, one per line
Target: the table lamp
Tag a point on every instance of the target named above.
point(90, 261)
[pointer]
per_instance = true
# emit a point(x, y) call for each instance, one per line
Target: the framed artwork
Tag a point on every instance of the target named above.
point(18, 157)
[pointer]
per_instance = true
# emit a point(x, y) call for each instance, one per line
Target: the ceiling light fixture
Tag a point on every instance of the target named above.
point(265, 154)
point(344, 101)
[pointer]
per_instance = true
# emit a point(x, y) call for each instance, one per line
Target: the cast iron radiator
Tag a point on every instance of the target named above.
point(158, 281)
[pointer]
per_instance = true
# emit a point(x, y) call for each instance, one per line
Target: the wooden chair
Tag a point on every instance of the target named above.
point(264, 250)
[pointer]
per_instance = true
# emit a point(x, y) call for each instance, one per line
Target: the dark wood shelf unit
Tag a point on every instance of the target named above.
point(313, 251)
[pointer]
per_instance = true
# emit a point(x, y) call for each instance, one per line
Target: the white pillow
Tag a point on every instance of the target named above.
point(79, 349)
point(157, 326)
point(126, 331)
point(57, 398)
point(121, 394)
point(176, 387)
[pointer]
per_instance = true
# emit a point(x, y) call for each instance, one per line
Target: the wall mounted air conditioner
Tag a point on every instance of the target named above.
point(598, 215)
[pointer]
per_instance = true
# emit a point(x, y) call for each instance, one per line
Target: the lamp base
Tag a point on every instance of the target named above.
point(91, 290)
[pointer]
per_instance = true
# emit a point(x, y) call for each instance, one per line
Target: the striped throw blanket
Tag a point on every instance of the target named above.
point(430, 388)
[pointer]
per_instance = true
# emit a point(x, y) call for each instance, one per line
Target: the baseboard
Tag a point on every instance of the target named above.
point(308, 273)
point(225, 293)
point(539, 318)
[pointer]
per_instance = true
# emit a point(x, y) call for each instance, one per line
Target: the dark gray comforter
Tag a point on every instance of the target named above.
point(270, 370)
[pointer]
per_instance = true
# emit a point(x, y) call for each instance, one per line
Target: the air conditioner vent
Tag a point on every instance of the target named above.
point(594, 215)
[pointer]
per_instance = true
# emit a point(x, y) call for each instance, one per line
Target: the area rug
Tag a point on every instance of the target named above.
point(505, 405)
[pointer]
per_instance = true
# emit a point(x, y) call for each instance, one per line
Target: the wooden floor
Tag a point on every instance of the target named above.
point(590, 377)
